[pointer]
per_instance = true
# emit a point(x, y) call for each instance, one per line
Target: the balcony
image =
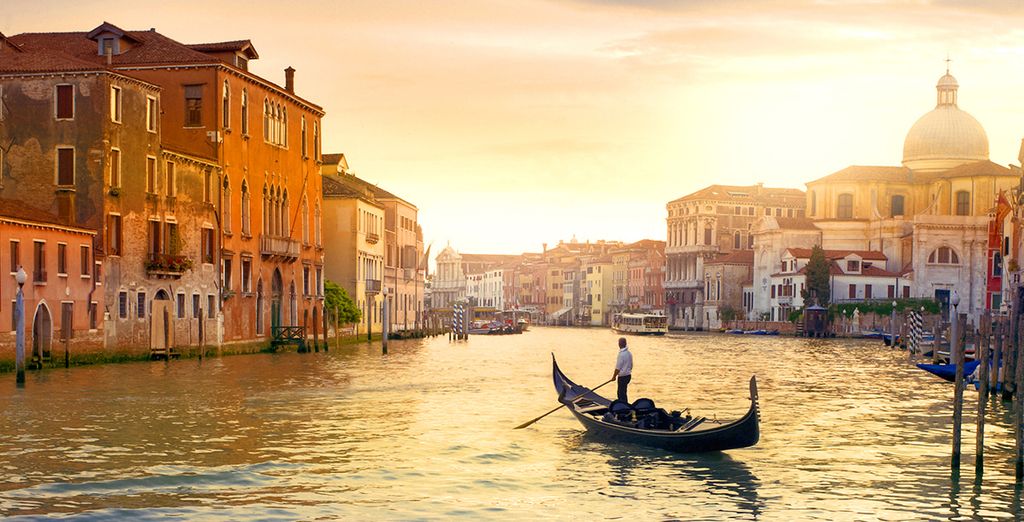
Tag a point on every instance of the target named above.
point(284, 248)
point(372, 238)
point(373, 286)
point(166, 266)
point(690, 283)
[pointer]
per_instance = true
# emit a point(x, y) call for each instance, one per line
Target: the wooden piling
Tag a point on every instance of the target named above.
point(936, 338)
point(983, 355)
point(955, 347)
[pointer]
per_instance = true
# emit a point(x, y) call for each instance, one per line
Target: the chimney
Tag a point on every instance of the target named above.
point(544, 246)
point(289, 79)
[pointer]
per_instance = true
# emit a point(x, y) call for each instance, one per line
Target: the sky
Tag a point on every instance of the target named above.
point(515, 123)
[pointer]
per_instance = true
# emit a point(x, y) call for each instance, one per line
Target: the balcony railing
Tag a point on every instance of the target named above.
point(165, 265)
point(372, 238)
point(284, 247)
point(373, 286)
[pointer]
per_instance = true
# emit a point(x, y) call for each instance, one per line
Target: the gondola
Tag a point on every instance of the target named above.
point(948, 371)
point(643, 423)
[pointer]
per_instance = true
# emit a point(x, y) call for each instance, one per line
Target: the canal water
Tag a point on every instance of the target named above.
point(850, 431)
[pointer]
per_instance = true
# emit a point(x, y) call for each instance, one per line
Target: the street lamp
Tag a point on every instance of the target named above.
point(19, 326)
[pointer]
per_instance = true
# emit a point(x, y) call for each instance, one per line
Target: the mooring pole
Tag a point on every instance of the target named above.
point(958, 392)
point(937, 329)
point(19, 337)
point(983, 354)
point(385, 327)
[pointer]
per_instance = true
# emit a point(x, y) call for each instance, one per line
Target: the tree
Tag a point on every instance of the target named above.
point(817, 289)
point(337, 301)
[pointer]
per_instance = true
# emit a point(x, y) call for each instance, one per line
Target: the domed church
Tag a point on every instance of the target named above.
point(930, 216)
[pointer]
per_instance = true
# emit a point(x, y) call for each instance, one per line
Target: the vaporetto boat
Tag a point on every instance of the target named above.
point(640, 324)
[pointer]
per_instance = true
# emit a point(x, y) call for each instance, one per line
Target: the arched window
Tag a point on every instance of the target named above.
point(844, 208)
point(305, 221)
point(303, 146)
point(316, 141)
point(284, 126)
point(278, 228)
point(226, 106)
point(266, 211)
point(286, 230)
point(245, 208)
point(736, 241)
point(277, 123)
point(316, 222)
point(245, 112)
point(266, 120)
point(225, 206)
point(944, 256)
point(259, 307)
point(896, 206)
point(963, 203)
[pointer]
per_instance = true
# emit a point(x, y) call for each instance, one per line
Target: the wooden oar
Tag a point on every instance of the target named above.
point(525, 424)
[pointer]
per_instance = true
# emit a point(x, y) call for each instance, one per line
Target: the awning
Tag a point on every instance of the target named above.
point(561, 312)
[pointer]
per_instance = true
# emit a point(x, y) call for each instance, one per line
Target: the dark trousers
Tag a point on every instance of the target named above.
point(623, 383)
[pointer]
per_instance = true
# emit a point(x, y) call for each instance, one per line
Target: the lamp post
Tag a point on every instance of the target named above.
point(954, 320)
point(892, 326)
point(19, 326)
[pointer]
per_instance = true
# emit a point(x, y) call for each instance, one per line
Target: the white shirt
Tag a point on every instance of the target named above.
point(624, 364)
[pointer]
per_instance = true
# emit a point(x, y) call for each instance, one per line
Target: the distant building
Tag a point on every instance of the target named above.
point(724, 279)
point(451, 282)
point(716, 220)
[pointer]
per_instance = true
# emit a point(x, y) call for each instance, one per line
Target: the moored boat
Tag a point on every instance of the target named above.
point(948, 371)
point(643, 423)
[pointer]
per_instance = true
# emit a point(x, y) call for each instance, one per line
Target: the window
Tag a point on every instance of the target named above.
point(303, 146)
point(319, 280)
point(997, 265)
point(151, 174)
point(62, 259)
point(245, 113)
point(65, 109)
point(736, 241)
point(897, 205)
point(225, 206)
point(226, 106)
point(246, 275)
point(122, 305)
point(141, 304)
point(226, 275)
point(963, 203)
point(207, 186)
point(115, 104)
point(305, 221)
point(93, 307)
point(85, 261)
point(181, 306)
point(245, 208)
point(944, 256)
point(15, 256)
point(266, 120)
point(156, 244)
point(170, 179)
point(853, 291)
point(207, 245)
point(867, 291)
point(844, 209)
point(211, 307)
point(195, 306)
point(906, 292)
point(114, 232)
point(316, 140)
point(172, 241)
point(316, 223)
point(150, 114)
point(108, 46)
point(65, 166)
point(193, 105)
point(305, 280)
point(707, 235)
point(39, 262)
point(115, 168)
point(852, 265)
point(891, 291)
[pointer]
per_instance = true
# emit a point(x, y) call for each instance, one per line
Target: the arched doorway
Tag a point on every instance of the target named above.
point(259, 307)
point(276, 290)
point(161, 329)
point(42, 333)
point(293, 317)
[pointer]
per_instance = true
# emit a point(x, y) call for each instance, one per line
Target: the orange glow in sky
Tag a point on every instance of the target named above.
point(512, 123)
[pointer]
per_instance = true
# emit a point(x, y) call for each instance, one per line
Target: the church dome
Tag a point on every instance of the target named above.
point(945, 137)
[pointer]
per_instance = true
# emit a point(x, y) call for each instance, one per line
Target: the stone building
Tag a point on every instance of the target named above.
point(167, 170)
point(724, 279)
point(930, 216)
point(716, 220)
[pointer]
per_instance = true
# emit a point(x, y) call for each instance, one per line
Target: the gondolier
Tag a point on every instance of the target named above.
point(623, 369)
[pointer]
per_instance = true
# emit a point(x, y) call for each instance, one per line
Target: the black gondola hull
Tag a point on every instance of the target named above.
point(742, 433)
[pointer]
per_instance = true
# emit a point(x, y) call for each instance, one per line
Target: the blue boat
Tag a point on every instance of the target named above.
point(948, 371)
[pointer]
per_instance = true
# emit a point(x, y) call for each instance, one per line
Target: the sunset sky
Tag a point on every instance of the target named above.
point(513, 123)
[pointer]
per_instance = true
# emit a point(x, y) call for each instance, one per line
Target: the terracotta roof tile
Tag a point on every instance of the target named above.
point(738, 257)
point(740, 194)
point(870, 255)
point(868, 173)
